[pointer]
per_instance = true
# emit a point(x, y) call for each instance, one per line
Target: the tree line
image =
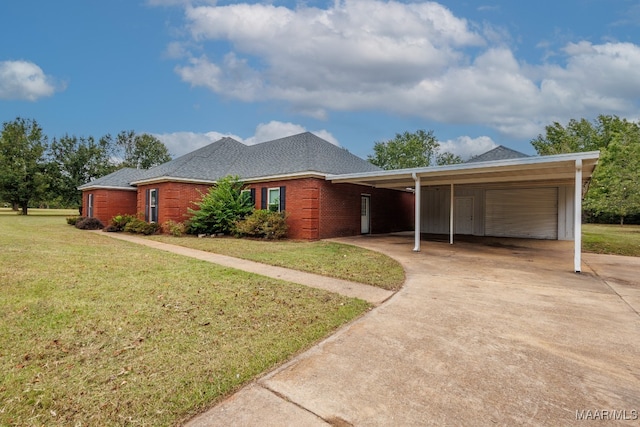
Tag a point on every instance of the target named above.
point(614, 191)
point(37, 172)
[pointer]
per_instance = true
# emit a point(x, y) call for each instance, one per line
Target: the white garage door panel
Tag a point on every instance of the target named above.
point(529, 213)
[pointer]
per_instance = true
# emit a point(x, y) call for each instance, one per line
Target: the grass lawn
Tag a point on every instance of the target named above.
point(326, 258)
point(611, 239)
point(96, 331)
point(42, 212)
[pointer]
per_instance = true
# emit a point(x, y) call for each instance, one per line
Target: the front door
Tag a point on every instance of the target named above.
point(365, 214)
point(463, 215)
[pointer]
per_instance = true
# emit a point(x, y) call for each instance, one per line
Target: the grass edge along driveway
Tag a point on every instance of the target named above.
point(103, 332)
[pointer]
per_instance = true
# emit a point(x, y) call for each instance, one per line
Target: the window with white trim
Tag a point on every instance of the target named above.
point(153, 205)
point(273, 199)
point(90, 205)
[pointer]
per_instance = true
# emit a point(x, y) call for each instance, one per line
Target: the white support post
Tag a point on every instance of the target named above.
point(416, 196)
point(451, 218)
point(577, 219)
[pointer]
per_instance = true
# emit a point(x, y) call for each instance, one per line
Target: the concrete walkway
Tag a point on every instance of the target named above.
point(481, 334)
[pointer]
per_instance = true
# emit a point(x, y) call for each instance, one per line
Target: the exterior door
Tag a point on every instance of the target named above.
point(463, 215)
point(365, 214)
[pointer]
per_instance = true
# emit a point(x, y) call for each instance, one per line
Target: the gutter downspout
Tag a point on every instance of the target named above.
point(416, 196)
point(577, 219)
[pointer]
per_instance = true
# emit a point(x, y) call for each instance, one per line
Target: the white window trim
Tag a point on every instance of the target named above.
point(153, 195)
point(270, 202)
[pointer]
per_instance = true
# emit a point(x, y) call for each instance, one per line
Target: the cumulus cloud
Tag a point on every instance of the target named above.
point(467, 147)
point(413, 59)
point(24, 80)
point(179, 143)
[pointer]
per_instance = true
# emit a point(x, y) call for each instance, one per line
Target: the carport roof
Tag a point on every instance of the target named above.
point(557, 168)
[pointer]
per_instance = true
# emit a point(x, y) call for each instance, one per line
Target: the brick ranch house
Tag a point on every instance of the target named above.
point(288, 174)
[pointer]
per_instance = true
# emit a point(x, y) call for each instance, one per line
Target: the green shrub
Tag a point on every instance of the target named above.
point(119, 222)
point(72, 220)
point(138, 226)
point(220, 208)
point(263, 223)
point(176, 229)
point(90, 224)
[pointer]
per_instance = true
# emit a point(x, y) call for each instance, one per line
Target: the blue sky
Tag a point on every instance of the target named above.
point(477, 73)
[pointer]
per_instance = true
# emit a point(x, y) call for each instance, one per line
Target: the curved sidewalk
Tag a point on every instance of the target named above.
point(368, 293)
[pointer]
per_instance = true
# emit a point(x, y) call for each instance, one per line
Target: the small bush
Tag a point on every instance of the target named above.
point(176, 229)
point(111, 229)
point(90, 224)
point(72, 220)
point(264, 224)
point(138, 226)
point(119, 222)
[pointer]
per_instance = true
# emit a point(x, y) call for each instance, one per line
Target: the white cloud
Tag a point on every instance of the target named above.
point(467, 147)
point(413, 59)
point(179, 143)
point(24, 80)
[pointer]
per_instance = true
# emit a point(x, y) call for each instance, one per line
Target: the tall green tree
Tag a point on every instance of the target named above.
point(615, 185)
point(22, 163)
point(580, 135)
point(410, 150)
point(615, 189)
point(142, 151)
point(75, 161)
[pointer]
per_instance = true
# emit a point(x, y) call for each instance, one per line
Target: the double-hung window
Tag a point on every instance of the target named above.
point(90, 205)
point(151, 211)
point(274, 199)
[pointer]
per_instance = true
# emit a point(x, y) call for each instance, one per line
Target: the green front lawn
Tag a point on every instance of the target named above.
point(326, 258)
point(96, 331)
point(611, 239)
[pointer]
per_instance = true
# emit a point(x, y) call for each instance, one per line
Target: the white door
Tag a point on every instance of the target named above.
point(463, 215)
point(365, 214)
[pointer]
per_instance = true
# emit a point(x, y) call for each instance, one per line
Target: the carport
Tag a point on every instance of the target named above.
point(523, 197)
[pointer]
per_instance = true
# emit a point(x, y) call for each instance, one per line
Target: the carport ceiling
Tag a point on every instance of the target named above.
point(559, 168)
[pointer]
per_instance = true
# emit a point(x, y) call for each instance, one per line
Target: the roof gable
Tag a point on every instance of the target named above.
point(499, 153)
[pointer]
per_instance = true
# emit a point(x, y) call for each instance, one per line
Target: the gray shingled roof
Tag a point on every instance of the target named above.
point(300, 153)
point(499, 153)
point(122, 178)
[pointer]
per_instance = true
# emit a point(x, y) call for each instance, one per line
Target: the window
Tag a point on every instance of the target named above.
point(90, 205)
point(151, 211)
point(248, 194)
point(274, 199)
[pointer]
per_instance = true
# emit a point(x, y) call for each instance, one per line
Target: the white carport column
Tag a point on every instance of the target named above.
point(416, 197)
point(577, 219)
point(451, 217)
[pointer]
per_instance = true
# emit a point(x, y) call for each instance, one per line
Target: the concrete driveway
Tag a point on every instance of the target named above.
point(494, 333)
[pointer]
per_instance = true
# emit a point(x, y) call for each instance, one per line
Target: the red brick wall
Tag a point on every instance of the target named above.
point(174, 199)
point(316, 209)
point(340, 213)
point(108, 203)
point(319, 209)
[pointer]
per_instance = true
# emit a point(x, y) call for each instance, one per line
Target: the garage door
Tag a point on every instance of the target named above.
point(528, 213)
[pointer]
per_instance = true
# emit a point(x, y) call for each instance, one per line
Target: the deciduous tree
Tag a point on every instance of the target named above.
point(75, 161)
point(141, 151)
point(22, 164)
point(410, 150)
